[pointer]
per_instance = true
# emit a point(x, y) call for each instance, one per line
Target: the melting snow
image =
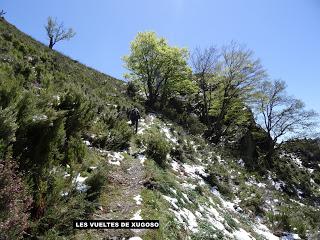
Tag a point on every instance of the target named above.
point(172, 201)
point(265, 232)
point(242, 235)
point(173, 190)
point(188, 185)
point(138, 199)
point(278, 185)
point(135, 238)
point(215, 191)
point(190, 219)
point(186, 197)
point(143, 125)
point(79, 182)
point(290, 236)
point(137, 216)
point(195, 170)
point(166, 131)
point(241, 162)
point(40, 117)
point(175, 166)
point(142, 158)
point(115, 158)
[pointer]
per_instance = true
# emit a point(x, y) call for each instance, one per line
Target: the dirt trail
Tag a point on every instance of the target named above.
point(122, 196)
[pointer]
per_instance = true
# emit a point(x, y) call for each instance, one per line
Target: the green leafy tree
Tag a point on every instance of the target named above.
point(159, 68)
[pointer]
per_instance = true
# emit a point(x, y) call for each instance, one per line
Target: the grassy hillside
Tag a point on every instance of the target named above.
point(49, 104)
point(67, 152)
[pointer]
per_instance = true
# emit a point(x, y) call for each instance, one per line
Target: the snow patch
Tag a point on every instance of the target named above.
point(168, 135)
point(135, 238)
point(138, 199)
point(172, 201)
point(142, 158)
point(137, 215)
point(40, 117)
point(79, 183)
point(115, 158)
point(195, 171)
point(241, 234)
point(175, 166)
point(265, 232)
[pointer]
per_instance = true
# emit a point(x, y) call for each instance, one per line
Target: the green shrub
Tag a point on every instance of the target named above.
point(95, 184)
point(218, 177)
point(158, 148)
point(254, 203)
point(77, 150)
point(178, 154)
point(191, 123)
point(118, 137)
point(132, 89)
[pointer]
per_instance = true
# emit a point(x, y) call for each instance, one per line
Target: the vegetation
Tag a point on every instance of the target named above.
point(61, 121)
point(157, 148)
point(160, 69)
point(47, 106)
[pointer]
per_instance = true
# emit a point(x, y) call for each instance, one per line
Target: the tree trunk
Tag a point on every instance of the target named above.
point(270, 152)
point(51, 43)
point(205, 108)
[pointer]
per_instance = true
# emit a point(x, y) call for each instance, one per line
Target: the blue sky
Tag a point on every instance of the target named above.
point(284, 34)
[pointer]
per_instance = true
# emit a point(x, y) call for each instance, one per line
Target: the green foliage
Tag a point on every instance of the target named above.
point(254, 203)
point(118, 138)
point(48, 102)
point(160, 68)
point(8, 125)
point(95, 183)
point(219, 178)
point(157, 148)
point(207, 232)
point(76, 150)
point(80, 112)
point(132, 89)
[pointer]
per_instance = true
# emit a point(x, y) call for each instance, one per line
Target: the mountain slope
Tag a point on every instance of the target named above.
point(73, 155)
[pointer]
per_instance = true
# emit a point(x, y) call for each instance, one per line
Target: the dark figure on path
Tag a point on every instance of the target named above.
point(134, 117)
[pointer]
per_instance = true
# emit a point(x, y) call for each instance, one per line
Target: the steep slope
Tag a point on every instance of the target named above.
point(49, 104)
point(64, 125)
point(186, 195)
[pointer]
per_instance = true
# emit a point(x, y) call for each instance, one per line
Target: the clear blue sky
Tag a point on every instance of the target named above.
point(284, 34)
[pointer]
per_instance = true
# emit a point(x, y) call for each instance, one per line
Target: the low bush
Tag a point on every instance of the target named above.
point(95, 184)
point(157, 148)
point(118, 138)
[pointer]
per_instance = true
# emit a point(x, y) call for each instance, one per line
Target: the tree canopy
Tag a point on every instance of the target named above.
point(160, 68)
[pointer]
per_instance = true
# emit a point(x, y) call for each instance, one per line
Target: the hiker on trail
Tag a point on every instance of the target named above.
point(134, 116)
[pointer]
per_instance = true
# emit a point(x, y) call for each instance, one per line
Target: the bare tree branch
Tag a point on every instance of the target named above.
point(57, 32)
point(2, 13)
point(282, 115)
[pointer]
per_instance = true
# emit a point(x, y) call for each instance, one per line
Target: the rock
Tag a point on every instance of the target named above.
point(149, 184)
